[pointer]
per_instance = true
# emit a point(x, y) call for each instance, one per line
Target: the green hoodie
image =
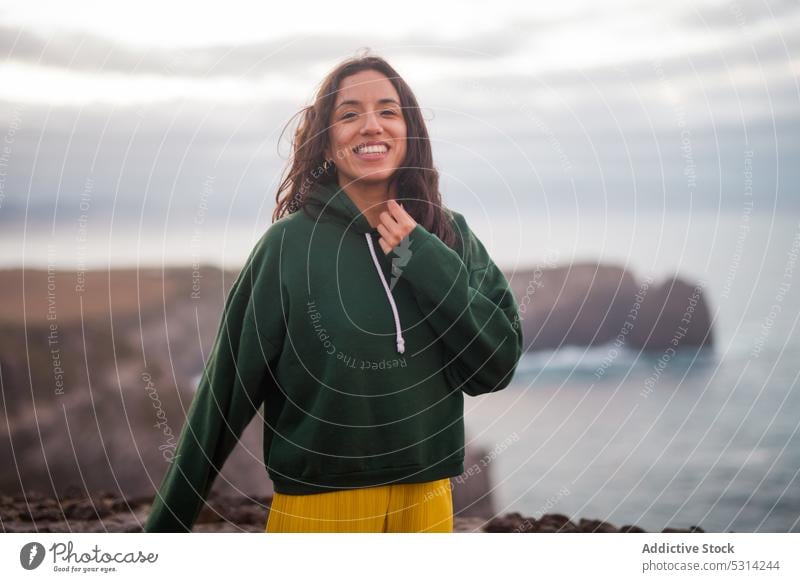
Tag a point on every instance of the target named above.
point(360, 359)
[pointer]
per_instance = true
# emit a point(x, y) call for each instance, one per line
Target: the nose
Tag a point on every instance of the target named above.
point(371, 123)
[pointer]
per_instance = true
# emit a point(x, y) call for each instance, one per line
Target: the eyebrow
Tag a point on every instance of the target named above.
point(357, 102)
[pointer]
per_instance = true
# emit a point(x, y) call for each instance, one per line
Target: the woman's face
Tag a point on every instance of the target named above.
point(367, 130)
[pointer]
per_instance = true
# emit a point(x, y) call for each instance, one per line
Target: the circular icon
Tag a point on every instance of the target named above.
point(31, 555)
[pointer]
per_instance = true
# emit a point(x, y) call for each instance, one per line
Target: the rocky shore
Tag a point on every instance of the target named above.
point(106, 512)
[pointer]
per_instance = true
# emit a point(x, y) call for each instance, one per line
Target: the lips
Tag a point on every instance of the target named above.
point(373, 151)
point(371, 147)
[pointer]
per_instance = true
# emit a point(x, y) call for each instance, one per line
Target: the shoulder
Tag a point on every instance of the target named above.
point(267, 249)
point(278, 234)
point(456, 218)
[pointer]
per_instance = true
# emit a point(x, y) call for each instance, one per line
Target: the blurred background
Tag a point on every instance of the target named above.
point(632, 166)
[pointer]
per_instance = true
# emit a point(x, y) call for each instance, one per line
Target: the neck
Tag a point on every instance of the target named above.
point(370, 199)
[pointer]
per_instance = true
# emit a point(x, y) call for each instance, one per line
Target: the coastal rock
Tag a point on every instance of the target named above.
point(556, 523)
point(580, 304)
point(674, 313)
point(505, 523)
point(241, 513)
point(596, 526)
point(472, 489)
point(586, 304)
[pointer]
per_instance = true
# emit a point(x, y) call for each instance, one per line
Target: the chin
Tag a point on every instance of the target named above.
point(375, 177)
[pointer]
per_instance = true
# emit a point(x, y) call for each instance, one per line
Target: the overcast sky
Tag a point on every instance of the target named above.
point(566, 106)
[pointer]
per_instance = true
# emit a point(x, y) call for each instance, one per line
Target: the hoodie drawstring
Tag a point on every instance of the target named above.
point(401, 343)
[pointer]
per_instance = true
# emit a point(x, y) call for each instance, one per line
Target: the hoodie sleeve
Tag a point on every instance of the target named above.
point(235, 381)
point(470, 305)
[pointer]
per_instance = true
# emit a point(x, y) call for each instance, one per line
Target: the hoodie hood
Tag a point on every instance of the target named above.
point(331, 202)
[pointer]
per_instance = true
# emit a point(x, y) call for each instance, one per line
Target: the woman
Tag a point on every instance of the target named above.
point(359, 320)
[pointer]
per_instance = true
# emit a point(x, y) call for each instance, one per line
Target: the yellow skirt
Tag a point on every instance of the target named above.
point(404, 507)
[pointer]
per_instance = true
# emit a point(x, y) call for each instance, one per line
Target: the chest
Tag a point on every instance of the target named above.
point(339, 302)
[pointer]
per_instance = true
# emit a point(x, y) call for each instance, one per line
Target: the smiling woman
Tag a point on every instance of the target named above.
point(362, 383)
point(365, 102)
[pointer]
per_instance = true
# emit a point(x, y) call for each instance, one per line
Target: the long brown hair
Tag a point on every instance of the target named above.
point(416, 178)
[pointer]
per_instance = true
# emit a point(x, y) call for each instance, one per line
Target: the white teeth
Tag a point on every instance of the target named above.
point(372, 149)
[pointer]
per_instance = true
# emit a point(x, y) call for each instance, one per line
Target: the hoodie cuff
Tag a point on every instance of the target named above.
point(418, 238)
point(424, 250)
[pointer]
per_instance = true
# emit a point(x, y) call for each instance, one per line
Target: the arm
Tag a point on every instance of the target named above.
point(470, 306)
point(233, 386)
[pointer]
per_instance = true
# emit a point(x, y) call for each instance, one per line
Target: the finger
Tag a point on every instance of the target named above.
point(389, 237)
point(396, 232)
point(385, 246)
point(399, 213)
point(390, 223)
point(387, 217)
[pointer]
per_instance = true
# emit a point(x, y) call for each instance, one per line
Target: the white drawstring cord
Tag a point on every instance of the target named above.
point(401, 343)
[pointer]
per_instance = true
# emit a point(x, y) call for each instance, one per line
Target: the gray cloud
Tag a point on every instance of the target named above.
point(153, 156)
point(730, 15)
point(763, 50)
point(98, 54)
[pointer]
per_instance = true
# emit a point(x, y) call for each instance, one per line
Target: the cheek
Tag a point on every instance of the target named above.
point(340, 147)
point(402, 149)
point(335, 137)
point(402, 138)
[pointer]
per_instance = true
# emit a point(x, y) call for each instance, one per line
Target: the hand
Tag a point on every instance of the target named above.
point(394, 226)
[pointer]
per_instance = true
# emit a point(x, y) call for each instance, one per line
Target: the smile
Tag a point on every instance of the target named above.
point(371, 152)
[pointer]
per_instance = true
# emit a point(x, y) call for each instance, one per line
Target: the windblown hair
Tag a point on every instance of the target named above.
point(416, 179)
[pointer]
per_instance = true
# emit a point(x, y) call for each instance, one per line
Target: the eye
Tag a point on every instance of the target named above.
point(349, 115)
point(389, 111)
